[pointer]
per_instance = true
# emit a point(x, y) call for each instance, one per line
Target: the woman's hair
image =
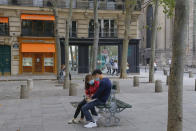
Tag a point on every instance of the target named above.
point(87, 79)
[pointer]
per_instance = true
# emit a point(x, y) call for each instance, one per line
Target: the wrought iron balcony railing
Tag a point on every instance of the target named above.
point(105, 34)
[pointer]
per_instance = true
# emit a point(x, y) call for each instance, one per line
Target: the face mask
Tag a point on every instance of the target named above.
point(91, 82)
point(97, 79)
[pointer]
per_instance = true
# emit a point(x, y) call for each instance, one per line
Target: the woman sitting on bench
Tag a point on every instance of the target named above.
point(91, 87)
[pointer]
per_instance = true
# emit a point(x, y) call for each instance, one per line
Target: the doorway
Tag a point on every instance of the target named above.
point(5, 60)
point(38, 60)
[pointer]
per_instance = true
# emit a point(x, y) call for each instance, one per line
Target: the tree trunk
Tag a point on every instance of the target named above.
point(153, 41)
point(175, 92)
point(66, 81)
point(58, 48)
point(91, 59)
point(194, 34)
point(72, 58)
point(96, 35)
point(129, 5)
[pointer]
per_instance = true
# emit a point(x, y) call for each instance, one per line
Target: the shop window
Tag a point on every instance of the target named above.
point(27, 61)
point(48, 62)
point(4, 28)
point(37, 28)
point(73, 29)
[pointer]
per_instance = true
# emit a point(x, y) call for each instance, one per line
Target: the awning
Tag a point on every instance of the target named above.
point(3, 19)
point(37, 17)
point(37, 47)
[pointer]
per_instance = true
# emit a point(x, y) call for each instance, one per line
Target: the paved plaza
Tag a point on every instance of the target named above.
point(49, 108)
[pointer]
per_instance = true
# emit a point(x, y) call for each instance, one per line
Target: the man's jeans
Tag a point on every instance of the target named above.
point(90, 106)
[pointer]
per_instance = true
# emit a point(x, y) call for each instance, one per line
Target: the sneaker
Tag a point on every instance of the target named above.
point(91, 125)
point(73, 121)
point(81, 120)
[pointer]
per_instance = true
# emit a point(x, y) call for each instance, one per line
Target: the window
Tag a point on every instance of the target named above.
point(15, 2)
point(91, 28)
point(37, 28)
point(38, 3)
point(149, 19)
point(4, 29)
point(27, 61)
point(107, 28)
point(48, 62)
point(73, 29)
point(4, 2)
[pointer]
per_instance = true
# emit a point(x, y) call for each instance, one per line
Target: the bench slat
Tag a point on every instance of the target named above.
point(121, 104)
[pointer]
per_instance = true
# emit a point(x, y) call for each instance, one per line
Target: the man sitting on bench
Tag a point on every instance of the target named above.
point(99, 98)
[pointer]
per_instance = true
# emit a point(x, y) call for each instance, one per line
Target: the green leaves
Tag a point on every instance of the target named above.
point(169, 6)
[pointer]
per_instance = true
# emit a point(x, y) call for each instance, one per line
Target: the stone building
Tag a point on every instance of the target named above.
point(27, 40)
point(164, 36)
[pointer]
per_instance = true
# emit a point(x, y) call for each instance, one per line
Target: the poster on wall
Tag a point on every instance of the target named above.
point(27, 62)
point(48, 62)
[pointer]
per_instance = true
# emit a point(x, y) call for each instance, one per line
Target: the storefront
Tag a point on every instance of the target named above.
point(37, 55)
point(37, 44)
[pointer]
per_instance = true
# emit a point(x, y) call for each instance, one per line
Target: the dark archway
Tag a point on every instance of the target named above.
point(149, 20)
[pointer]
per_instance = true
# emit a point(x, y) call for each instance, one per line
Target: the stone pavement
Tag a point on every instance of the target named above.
point(49, 109)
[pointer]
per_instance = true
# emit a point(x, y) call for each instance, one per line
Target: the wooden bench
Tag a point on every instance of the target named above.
point(110, 109)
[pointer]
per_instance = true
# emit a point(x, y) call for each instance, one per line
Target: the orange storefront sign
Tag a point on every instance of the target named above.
point(37, 47)
point(37, 17)
point(3, 19)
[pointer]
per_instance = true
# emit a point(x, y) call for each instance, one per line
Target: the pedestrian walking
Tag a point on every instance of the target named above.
point(115, 67)
point(109, 68)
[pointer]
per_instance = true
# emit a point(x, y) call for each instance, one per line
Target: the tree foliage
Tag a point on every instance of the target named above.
point(169, 6)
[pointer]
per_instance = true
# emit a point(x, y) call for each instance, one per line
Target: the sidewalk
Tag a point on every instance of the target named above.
point(149, 113)
point(49, 108)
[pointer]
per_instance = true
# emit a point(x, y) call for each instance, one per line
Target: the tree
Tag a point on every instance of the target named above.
point(175, 92)
point(58, 48)
point(66, 81)
point(153, 41)
point(129, 5)
point(194, 34)
point(96, 35)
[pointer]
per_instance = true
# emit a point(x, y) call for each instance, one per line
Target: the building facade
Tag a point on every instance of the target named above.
point(27, 31)
point(163, 52)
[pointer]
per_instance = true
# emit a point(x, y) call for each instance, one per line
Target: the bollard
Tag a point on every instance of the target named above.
point(165, 72)
point(73, 89)
point(158, 86)
point(167, 81)
point(24, 92)
point(135, 81)
point(30, 84)
point(116, 85)
point(190, 74)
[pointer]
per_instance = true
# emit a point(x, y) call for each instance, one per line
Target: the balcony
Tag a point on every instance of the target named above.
point(77, 4)
point(37, 34)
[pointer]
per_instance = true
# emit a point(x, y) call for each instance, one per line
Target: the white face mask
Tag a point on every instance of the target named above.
point(91, 82)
